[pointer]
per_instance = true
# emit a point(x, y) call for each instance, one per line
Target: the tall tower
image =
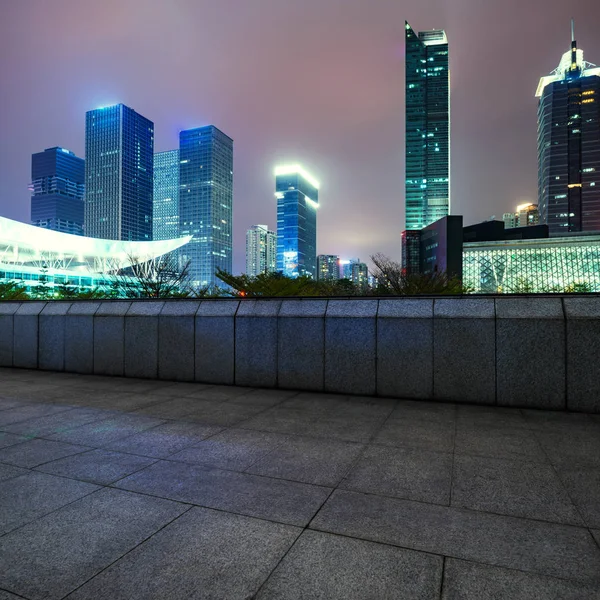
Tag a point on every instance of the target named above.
point(427, 128)
point(57, 186)
point(569, 145)
point(165, 217)
point(297, 193)
point(206, 202)
point(261, 250)
point(119, 167)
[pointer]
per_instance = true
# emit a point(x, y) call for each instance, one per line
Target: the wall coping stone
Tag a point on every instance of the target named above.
point(150, 308)
point(113, 309)
point(582, 308)
point(218, 308)
point(303, 308)
point(259, 308)
point(9, 308)
point(529, 308)
point(56, 308)
point(352, 308)
point(180, 308)
point(464, 308)
point(84, 309)
point(406, 308)
point(30, 308)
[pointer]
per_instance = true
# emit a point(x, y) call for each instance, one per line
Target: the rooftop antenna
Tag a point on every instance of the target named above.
point(573, 47)
point(572, 30)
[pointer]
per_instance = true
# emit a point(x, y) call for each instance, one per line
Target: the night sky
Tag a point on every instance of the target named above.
point(319, 82)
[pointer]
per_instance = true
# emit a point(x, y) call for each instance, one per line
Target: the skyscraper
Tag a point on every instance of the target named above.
point(261, 250)
point(569, 145)
point(527, 215)
point(206, 202)
point(328, 267)
point(427, 128)
point(57, 186)
point(297, 193)
point(360, 274)
point(165, 217)
point(119, 152)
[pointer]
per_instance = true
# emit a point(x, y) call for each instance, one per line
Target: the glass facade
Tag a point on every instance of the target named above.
point(119, 172)
point(261, 250)
point(165, 217)
point(569, 146)
point(57, 186)
point(297, 194)
point(533, 266)
point(206, 202)
point(328, 267)
point(427, 128)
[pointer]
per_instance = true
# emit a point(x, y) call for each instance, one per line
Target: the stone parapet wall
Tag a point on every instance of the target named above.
point(525, 351)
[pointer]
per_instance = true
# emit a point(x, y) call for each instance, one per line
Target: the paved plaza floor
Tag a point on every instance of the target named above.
point(127, 489)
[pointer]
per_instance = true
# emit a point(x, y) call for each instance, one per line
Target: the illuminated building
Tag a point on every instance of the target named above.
point(30, 255)
point(261, 250)
point(526, 215)
point(165, 217)
point(119, 165)
point(328, 267)
point(206, 202)
point(569, 145)
point(57, 186)
point(359, 274)
point(427, 128)
point(297, 194)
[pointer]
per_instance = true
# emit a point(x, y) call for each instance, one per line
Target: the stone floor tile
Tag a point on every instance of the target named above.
point(583, 486)
point(30, 411)
point(596, 534)
point(419, 410)
point(224, 414)
point(8, 596)
point(496, 442)
point(176, 408)
point(7, 403)
point(330, 567)
point(509, 487)
point(567, 449)
point(10, 439)
point(101, 433)
point(265, 398)
point(164, 440)
point(126, 401)
point(430, 434)
point(29, 496)
point(336, 404)
point(178, 389)
point(234, 449)
point(411, 473)
point(56, 554)
point(220, 393)
point(469, 417)
point(272, 499)
point(9, 471)
point(471, 581)
point(97, 466)
point(237, 554)
point(35, 452)
point(309, 460)
point(558, 550)
point(557, 420)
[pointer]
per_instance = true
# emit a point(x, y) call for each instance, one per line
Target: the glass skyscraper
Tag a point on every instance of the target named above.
point(206, 202)
point(297, 194)
point(119, 165)
point(57, 186)
point(427, 128)
point(165, 217)
point(261, 250)
point(569, 145)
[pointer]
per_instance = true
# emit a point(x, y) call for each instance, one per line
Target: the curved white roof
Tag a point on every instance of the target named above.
point(23, 244)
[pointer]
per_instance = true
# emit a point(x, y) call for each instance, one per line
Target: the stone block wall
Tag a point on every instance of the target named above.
point(526, 351)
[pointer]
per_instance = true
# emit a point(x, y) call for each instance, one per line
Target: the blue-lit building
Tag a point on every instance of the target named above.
point(427, 128)
point(119, 167)
point(569, 145)
point(165, 216)
point(57, 186)
point(297, 194)
point(206, 202)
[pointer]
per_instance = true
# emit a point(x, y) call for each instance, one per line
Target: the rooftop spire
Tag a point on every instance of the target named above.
point(572, 30)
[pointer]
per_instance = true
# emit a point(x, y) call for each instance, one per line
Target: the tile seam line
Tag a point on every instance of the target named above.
point(18, 596)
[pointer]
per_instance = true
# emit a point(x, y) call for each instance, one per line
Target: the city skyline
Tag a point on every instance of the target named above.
point(335, 142)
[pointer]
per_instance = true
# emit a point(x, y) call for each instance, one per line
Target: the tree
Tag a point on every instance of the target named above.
point(11, 290)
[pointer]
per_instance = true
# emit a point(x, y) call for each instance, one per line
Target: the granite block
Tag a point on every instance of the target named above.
point(582, 307)
point(429, 434)
point(583, 486)
point(583, 366)
point(56, 307)
point(9, 471)
point(301, 352)
point(30, 308)
point(535, 546)
point(141, 343)
point(51, 350)
point(307, 307)
point(56, 554)
point(36, 452)
point(25, 338)
point(113, 308)
point(256, 347)
point(10, 439)
point(272, 499)
point(406, 308)
point(84, 308)
point(176, 345)
point(464, 308)
point(404, 356)
point(79, 343)
point(180, 308)
point(223, 307)
point(238, 554)
point(214, 346)
point(28, 411)
point(6, 340)
point(464, 355)
point(146, 308)
point(519, 341)
point(330, 567)
point(258, 308)
point(352, 308)
point(9, 308)
point(350, 350)
point(109, 343)
point(530, 308)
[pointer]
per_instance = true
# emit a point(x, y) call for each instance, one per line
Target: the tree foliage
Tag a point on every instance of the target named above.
point(11, 290)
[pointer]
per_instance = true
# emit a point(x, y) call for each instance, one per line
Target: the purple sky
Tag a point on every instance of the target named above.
point(320, 82)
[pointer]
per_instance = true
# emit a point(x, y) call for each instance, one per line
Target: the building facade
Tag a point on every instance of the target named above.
point(569, 145)
point(119, 173)
point(297, 193)
point(526, 215)
point(165, 213)
point(360, 274)
point(206, 202)
point(427, 128)
point(57, 186)
point(261, 250)
point(328, 267)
